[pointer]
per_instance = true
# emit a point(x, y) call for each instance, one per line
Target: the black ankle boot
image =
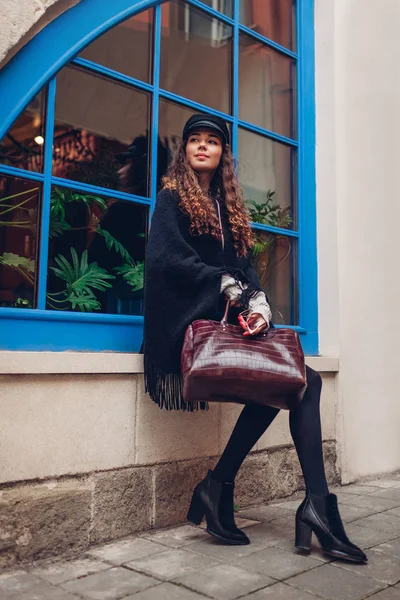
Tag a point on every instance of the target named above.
point(206, 501)
point(336, 524)
point(227, 511)
point(320, 514)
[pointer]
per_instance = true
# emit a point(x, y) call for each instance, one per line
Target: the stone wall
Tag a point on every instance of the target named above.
point(40, 519)
point(21, 20)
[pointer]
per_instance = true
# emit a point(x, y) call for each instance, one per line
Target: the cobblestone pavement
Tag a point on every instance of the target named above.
point(184, 563)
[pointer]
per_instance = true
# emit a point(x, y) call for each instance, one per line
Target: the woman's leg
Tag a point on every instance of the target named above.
point(319, 511)
point(214, 496)
point(253, 421)
point(305, 427)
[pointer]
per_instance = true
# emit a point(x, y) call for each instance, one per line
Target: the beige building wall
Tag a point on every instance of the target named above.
point(368, 128)
point(21, 20)
point(71, 413)
point(358, 125)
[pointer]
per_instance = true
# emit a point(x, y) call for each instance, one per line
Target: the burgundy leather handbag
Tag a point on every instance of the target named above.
point(219, 364)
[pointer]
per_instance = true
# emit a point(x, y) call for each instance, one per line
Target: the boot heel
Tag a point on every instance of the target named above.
point(196, 510)
point(303, 536)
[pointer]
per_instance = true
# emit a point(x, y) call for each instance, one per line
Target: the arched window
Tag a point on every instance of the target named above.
point(94, 106)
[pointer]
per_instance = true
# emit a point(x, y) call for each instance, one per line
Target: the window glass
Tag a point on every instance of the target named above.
point(19, 209)
point(96, 253)
point(196, 56)
point(275, 260)
point(223, 6)
point(126, 48)
point(266, 87)
point(102, 138)
point(99, 125)
point(266, 174)
point(274, 19)
point(22, 147)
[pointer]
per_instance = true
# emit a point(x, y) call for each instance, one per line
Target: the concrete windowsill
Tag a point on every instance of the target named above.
point(35, 363)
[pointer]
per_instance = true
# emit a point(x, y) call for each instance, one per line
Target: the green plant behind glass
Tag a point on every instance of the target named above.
point(268, 213)
point(266, 243)
point(80, 277)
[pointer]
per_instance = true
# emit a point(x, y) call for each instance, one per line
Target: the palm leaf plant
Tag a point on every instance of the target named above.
point(269, 213)
point(133, 273)
point(81, 279)
point(60, 199)
point(57, 226)
point(24, 266)
point(113, 244)
point(15, 202)
point(266, 243)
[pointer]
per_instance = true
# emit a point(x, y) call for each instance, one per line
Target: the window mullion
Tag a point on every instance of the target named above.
point(112, 74)
point(307, 269)
point(155, 103)
point(17, 172)
point(277, 137)
point(277, 230)
point(46, 193)
point(264, 40)
point(96, 189)
point(235, 78)
point(300, 124)
point(210, 10)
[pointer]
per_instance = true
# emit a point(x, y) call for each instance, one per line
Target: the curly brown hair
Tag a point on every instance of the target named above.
point(198, 206)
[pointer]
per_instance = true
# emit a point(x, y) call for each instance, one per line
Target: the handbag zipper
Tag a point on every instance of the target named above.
point(220, 225)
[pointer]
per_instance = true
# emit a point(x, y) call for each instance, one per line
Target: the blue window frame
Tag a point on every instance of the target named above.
point(35, 68)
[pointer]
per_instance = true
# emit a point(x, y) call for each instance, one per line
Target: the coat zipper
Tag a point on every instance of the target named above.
point(220, 225)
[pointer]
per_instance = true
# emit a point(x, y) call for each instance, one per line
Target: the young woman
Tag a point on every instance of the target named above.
point(198, 255)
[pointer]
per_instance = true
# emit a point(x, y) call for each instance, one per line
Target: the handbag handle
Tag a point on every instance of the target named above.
point(270, 333)
point(224, 320)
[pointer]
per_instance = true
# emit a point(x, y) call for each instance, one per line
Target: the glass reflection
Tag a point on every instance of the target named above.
point(172, 118)
point(96, 253)
point(126, 48)
point(223, 6)
point(266, 90)
point(97, 121)
point(196, 56)
point(23, 145)
point(274, 258)
point(19, 207)
point(266, 174)
point(274, 19)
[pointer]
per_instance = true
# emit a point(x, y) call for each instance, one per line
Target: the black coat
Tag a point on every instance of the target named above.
point(182, 284)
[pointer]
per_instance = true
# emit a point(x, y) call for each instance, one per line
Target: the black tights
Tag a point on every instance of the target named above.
point(305, 427)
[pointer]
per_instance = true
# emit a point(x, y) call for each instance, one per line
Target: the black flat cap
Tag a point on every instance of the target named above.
point(137, 148)
point(204, 121)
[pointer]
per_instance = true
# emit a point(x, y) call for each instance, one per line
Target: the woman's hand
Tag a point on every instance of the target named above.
point(253, 325)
